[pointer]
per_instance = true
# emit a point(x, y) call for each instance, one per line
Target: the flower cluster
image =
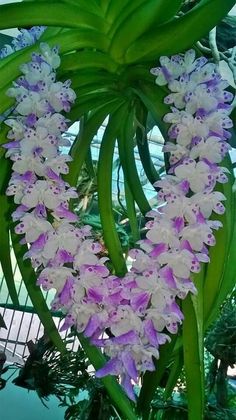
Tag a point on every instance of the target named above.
point(128, 317)
point(25, 38)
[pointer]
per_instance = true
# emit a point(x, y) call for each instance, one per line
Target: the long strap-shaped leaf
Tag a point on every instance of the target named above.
point(174, 373)
point(85, 77)
point(228, 278)
point(151, 380)
point(215, 278)
point(50, 13)
point(193, 346)
point(87, 59)
point(126, 152)
point(104, 177)
point(81, 145)
point(131, 213)
point(142, 143)
point(35, 294)
point(153, 98)
point(117, 10)
point(180, 34)
point(91, 6)
point(138, 21)
point(221, 273)
point(5, 249)
point(90, 102)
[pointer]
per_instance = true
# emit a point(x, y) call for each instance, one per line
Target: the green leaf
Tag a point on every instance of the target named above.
point(119, 7)
point(215, 269)
point(90, 6)
point(228, 278)
point(126, 152)
point(81, 145)
point(5, 222)
point(153, 98)
point(118, 11)
point(174, 374)
point(179, 34)
point(215, 279)
point(142, 144)
point(50, 13)
point(5, 254)
point(131, 213)
point(6, 102)
point(29, 278)
point(138, 21)
point(116, 393)
point(87, 76)
point(104, 4)
point(193, 346)
point(89, 164)
point(87, 59)
point(104, 177)
point(151, 380)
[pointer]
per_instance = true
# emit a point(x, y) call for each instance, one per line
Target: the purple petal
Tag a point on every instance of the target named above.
point(62, 211)
point(131, 337)
point(52, 175)
point(29, 177)
point(128, 387)
point(150, 332)
point(186, 245)
point(179, 223)
point(66, 293)
point(19, 212)
point(69, 321)
point(12, 145)
point(200, 218)
point(63, 256)
point(40, 210)
point(31, 120)
point(129, 365)
point(95, 294)
point(100, 270)
point(158, 249)
point(167, 274)
point(92, 325)
point(114, 298)
point(39, 243)
point(140, 301)
point(112, 367)
point(184, 186)
point(99, 342)
point(174, 308)
point(148, 365)
point(162, 338)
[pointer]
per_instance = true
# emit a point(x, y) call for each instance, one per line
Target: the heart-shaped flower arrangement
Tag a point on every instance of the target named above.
point(137, 308)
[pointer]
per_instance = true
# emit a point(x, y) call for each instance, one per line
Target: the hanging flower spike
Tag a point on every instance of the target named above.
point(180, 233)
point(141, 307)
point(25, 38)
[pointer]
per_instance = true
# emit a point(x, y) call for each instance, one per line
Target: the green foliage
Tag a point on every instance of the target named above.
point(221, 338)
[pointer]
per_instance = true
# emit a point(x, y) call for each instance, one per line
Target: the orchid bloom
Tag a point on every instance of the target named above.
point(141, 307)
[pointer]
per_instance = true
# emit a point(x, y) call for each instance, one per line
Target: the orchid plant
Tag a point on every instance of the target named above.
point(131, 322)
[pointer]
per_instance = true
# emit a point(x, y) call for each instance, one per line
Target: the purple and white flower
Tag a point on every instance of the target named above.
point(141, 307)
